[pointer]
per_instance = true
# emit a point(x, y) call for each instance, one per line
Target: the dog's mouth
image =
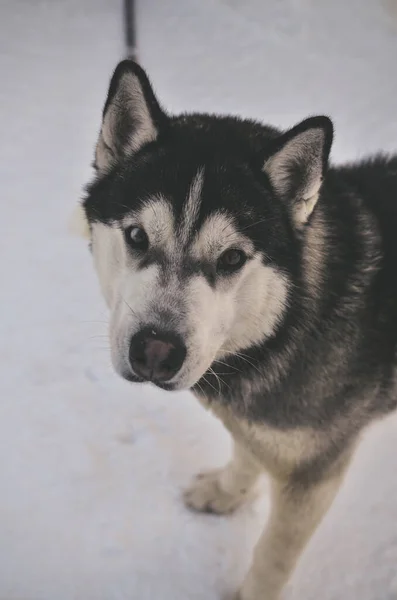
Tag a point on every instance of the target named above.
point(128, 376)
point(163, 385)
point(168, 387)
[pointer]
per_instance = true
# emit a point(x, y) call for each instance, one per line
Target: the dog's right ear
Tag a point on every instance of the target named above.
point(132, 116)
point(297, 164)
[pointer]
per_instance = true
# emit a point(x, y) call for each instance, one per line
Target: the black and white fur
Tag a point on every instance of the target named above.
point(295, 350)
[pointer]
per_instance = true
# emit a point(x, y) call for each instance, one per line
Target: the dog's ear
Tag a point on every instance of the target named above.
point(132, 116)
point(297, 163)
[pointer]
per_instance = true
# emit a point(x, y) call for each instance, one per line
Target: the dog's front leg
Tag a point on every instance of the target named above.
point(296, 511)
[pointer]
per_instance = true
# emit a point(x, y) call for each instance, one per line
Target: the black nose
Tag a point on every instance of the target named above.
point(156, 356)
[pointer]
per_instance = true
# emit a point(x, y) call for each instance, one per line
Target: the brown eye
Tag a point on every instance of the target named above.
point(136, 238)
point(232, 260)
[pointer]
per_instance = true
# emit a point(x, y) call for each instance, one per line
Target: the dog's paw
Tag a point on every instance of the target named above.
point(231, 595)
point(206, 495)
point(255, 588)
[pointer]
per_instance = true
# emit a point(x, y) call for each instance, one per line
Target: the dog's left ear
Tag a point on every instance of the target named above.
point(297, 164)
point(132, 116)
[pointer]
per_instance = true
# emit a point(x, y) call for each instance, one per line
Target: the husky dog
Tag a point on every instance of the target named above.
point(236, 263)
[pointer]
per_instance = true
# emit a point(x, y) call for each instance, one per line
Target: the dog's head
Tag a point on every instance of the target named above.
point(195, 224)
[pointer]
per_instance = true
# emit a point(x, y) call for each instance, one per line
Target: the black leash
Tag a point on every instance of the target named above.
point(130, 29)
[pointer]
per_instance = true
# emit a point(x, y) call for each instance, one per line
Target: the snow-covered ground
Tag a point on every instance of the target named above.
point(91, 468)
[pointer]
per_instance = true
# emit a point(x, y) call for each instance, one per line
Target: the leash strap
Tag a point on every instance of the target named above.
point(130, 29)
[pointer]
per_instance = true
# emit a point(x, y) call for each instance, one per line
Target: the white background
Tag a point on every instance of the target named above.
point(91, 468)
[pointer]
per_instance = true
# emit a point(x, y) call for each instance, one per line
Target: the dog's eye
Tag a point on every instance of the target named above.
point(136, 238)
point(230, 261)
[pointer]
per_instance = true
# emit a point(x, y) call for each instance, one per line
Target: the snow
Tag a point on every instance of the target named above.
point(91, 468)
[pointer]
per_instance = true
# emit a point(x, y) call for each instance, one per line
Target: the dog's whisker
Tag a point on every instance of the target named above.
point(251, 364)
point(217, 378)
point(227, 365)
point(210, 384)
point(246, 359)
point(131, 309)
point(201, 389)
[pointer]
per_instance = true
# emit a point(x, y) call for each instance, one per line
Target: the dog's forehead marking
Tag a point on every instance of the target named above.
point(191, 207)
point(217, 233)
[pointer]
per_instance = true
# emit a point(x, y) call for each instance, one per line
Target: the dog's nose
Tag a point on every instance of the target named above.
point(156, 356)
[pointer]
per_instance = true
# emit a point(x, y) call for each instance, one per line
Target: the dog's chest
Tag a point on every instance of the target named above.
point(279, 451)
